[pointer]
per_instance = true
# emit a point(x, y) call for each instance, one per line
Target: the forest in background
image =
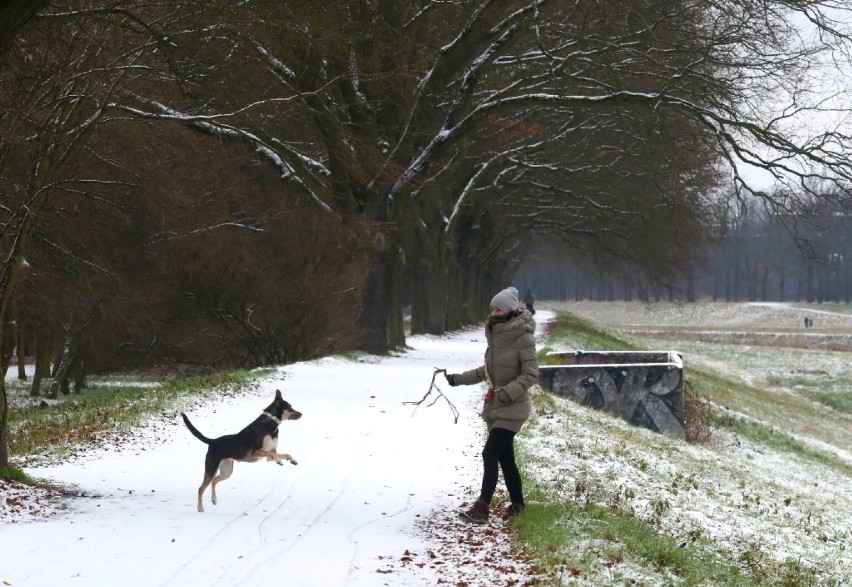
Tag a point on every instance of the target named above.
point(755, 259)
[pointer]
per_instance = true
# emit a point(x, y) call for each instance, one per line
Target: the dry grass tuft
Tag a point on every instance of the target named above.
point(696, 414)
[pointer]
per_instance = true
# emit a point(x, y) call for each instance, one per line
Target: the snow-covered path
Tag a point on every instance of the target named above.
point(369, 469)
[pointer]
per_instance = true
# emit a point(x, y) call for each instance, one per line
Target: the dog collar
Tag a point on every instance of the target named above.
point(274, 418)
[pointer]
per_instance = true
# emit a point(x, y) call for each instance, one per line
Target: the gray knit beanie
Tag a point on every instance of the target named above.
point(507, 300)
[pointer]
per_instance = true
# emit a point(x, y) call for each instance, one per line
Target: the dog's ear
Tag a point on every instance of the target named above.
point(278, 397)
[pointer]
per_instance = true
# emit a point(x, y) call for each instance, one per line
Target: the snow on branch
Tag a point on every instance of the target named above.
point(211, 124)
point(205, 229)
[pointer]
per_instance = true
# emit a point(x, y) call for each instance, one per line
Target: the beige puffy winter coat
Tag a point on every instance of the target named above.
point(511, 368)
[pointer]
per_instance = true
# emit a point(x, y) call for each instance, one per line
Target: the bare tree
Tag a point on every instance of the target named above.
point(638, 106)
point(598, 123)
point(53, 95)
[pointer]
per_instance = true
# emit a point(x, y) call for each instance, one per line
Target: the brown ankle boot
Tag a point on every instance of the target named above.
point(478, 514)
point(513, 510)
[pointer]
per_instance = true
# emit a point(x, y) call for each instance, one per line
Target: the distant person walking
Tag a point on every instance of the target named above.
point(529, 301)
point(510, 369)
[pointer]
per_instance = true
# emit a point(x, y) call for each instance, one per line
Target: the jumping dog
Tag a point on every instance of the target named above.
point(254, 442)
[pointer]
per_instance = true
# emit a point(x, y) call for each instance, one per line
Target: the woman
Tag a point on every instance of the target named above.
point(510, 369)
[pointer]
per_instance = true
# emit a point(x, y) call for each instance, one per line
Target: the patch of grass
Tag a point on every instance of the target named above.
point(543, 532)
point(796, 381)
point(778, 386)
point(353, 355)
point(81, 418)
point(697, 414)
point(790, 573)
point(724, 391)
point(778, 440)
point(690, 564)
point(828, 389)
point(587, 541)
point(842, 402)
point(570, 331)
point(13, 473)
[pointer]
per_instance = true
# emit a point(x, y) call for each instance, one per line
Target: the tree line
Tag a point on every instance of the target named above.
point(753, 256)
point(215, 183)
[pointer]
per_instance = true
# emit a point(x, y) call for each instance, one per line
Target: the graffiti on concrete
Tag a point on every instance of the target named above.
point(644, 388)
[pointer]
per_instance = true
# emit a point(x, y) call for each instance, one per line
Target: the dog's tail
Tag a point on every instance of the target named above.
point(194, 430)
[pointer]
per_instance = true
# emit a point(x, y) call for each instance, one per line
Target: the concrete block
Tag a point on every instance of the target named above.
point(643, 387)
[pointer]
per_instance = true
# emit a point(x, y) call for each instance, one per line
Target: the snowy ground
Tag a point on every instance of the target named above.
point(759, 505)
point(372, 501)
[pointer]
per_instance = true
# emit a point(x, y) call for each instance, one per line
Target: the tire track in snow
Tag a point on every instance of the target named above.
point(256, 570)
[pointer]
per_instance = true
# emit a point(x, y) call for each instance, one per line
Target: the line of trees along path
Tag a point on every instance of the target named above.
point(213, 183)
point(753, 257)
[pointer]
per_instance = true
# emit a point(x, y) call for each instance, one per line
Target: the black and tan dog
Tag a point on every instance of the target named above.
point(254, 442)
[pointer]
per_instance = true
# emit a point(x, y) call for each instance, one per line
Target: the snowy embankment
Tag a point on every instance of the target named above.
point(372, 501)
point(742, 502)
point(757, 505)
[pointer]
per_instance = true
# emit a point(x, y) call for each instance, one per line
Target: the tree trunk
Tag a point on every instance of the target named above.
point(428, 301)
point(4, 406)
point(22, 356)
point(456, 300)
point(809, 285)
point(429, 280)
point(7, 336)
point(395, 323)
point(60, 380)
point(42, 360)
point(8, 339)
point(480, 286)
point(373, 322)
point(79, 370)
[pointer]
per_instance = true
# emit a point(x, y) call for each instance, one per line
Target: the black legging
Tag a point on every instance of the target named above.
point(500, 450)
